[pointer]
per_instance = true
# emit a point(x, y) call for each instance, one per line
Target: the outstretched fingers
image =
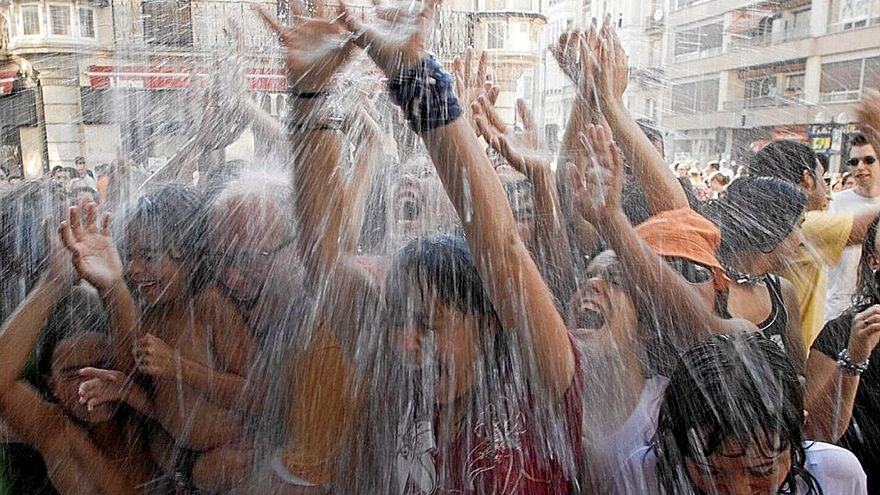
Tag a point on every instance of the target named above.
point(271, 22)
point(525, 115)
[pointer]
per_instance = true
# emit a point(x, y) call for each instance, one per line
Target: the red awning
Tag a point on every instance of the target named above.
point(176, 77)
point(7, 79)
point(749, 19)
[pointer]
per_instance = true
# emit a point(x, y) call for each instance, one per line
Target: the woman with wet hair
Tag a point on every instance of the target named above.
point(87, 449)
point(843, 370)
point(731, 421)
point(760, 221)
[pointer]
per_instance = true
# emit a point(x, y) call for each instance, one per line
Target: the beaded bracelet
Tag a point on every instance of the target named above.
point(424, 93)
point(848, 367)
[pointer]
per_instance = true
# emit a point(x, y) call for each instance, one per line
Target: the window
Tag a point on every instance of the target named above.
point(168, 22)
point(86, 22)
point(872, 73)
point(59, 20)
point(841, 76)
point(496, 32)
point(760, 87)
point(794, 83)
point(699, 39)
point(700, 96)
point(30, 20)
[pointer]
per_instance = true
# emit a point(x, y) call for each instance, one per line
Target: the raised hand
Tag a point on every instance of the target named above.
point(865, 334)
point(155, 358)
point(102, 386)
point(576, 53)
point(613, 73)
point(397, 38)
point(94, 255)
point(596, 180)
point(471, 83)
point(522, 150)
point(316, 47)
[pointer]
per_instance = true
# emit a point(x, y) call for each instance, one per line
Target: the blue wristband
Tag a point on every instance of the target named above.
point(424, 93)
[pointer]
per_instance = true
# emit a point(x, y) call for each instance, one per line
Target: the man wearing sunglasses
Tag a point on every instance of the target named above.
point(865, 196)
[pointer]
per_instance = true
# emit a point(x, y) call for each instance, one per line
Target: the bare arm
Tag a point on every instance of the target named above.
point(97, 261)
point(795, 348)
point(830, 392)
point(861, 221)
point(598, 190)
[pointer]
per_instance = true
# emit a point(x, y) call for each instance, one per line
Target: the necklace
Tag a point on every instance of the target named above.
point(744, 278)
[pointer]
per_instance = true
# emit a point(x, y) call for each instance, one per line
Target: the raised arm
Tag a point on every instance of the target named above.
point(523, 151)
point(662, 189)
point(316, 50)
point(97, 261)
point(597, 185)
point(513, 282)
point(831, 393)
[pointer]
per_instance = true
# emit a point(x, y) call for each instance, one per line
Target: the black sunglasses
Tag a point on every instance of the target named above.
point(694, 273)
point(854, 162)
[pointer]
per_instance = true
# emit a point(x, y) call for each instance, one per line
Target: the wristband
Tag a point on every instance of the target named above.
point(306, 95)
point(424, 93)
point(848, 367)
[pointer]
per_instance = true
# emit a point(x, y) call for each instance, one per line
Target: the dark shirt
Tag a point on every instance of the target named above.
point(862, 436)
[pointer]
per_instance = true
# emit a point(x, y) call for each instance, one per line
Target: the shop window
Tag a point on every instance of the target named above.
point(30, 20)
point(168, 23)
point(59, 20)
point(86, 22)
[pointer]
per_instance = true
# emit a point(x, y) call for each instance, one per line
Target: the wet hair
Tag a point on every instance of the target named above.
point(785, 160)
point(756, 214)
point(858, 139)
point(171, 220)
point(739, 386)
point(867, 288)
point(80, 312)
point(443, 266)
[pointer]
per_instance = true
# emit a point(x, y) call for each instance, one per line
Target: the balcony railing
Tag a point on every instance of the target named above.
point(850, 25)
point(840, 96)
point(771, 38)
point(759, 102)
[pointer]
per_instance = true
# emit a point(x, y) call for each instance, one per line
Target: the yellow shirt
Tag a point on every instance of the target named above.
point(323, 409)
point(825, 237)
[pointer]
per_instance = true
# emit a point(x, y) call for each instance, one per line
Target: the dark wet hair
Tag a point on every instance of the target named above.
point(739, 386)
point(442, 265)
point(172, 220)
point(79, 312)
point(858, 139)
point(785, 160)
point(867, 288)
point(756, 213)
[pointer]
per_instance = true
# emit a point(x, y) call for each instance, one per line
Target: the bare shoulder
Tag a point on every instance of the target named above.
point(213, 305)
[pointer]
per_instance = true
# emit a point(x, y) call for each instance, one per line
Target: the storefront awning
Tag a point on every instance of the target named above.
point(749, 19)
point(176, 77)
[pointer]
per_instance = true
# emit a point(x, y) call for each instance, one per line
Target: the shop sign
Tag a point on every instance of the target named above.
point(176, 77)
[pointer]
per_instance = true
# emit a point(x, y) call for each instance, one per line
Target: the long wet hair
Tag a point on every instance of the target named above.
point(172, 220)
point(756, 214)
point(730, 387)
point(867, 288)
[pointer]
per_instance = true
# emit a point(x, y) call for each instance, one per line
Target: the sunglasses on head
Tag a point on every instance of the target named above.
point(694, 273)
point(854, 162)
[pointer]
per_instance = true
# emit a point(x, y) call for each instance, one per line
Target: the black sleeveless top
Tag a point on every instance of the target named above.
point(775, 327)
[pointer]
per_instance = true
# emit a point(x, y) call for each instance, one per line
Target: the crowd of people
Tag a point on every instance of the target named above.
point(402, 294)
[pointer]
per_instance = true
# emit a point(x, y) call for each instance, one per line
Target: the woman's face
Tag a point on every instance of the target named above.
point(442, 341)
point(601, 306)
point(157, 277)
point(739, 468)
point(70, 356)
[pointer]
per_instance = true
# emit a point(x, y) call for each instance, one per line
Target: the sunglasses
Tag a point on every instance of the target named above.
point(854, 162)
point(694, 273)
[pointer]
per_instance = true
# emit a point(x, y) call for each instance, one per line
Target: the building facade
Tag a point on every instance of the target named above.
point(109, 79)
point(741, 73)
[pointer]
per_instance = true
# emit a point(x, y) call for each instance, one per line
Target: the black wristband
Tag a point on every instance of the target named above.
point(306, 95)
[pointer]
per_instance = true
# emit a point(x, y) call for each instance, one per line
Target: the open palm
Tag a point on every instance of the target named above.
point(522, 149)
point(94, 255)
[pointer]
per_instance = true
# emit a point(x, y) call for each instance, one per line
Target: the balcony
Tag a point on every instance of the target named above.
point(767, 39)
point(759, 102)
point(840, 27)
